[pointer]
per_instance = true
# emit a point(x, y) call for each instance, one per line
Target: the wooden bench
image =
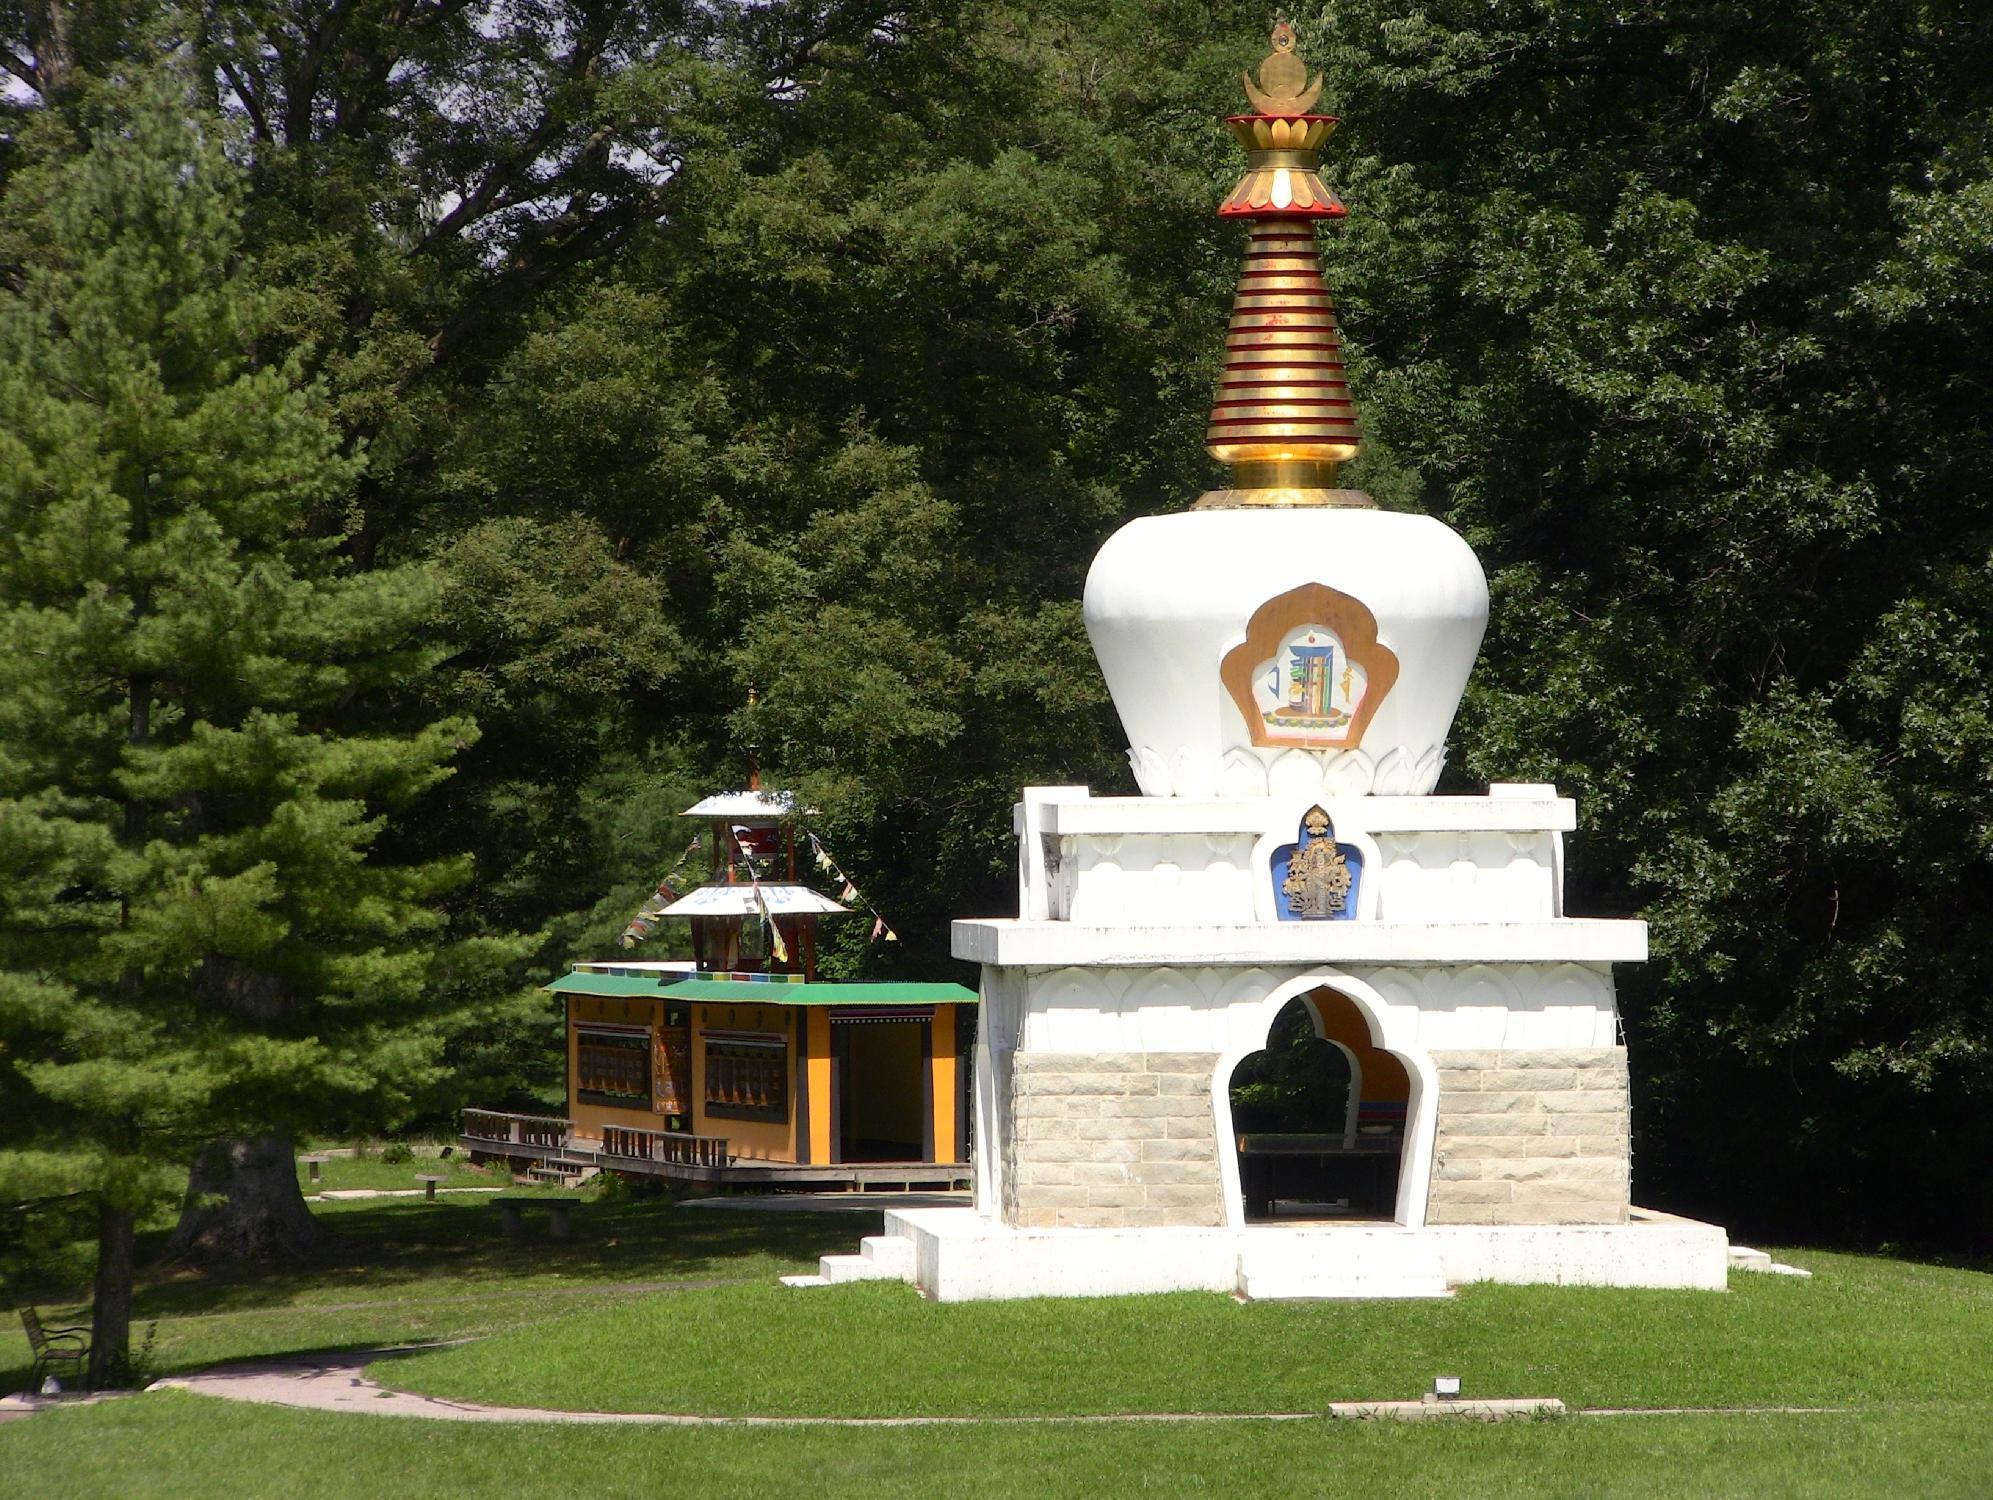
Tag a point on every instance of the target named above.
point(557, 1215)
point(1317, 1168)
point(428, 1181)
point(53, 1346)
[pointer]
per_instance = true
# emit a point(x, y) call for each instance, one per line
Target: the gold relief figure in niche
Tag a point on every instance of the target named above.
point(1318, 877)
point(1310, 672)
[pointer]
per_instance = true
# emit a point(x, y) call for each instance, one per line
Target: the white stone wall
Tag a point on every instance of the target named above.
point(1218, 1009)
point(1531, 1137)
point(1112, 1140)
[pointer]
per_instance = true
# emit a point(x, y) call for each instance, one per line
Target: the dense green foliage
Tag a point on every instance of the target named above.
point(1675, 311)
point(814, 347)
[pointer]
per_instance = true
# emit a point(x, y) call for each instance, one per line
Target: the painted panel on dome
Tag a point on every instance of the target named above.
point(1310, 672)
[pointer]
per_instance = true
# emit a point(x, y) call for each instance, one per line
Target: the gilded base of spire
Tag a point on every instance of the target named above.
point(1283, 483)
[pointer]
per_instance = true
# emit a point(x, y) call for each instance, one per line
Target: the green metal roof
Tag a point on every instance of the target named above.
point(581, 982)
point(823, 992)
point(770, 992)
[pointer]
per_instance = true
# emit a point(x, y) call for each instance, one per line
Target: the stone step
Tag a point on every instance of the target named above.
point(565, 1173)
point(1347, 1263)
point(1744, 1258)
point(803, 1279)
point(838, 1269)
point(891, 1253)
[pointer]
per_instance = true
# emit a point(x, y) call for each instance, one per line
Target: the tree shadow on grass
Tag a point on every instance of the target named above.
point(403, 1250)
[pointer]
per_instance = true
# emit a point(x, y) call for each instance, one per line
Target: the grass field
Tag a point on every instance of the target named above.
point(627, 1314)
point(1861, 1331)
point(406, 1271)
point(172, 1445)
point(341, 1172)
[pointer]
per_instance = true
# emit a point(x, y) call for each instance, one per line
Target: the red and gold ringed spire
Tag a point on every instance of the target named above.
point(1283, 418)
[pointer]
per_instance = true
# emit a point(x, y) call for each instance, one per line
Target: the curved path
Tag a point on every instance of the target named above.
point(340, 1382)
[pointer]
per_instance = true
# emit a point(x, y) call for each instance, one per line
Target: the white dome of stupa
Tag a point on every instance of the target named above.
point(1285, 636)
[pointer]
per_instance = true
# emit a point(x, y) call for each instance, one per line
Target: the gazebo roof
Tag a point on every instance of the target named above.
point(744, 807)
point(740, 901)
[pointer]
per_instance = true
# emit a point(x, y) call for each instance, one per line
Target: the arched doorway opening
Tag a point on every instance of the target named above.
point(1318, 1116)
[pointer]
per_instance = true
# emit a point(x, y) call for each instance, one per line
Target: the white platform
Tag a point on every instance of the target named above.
point(959, 1256)
point(1007, 942)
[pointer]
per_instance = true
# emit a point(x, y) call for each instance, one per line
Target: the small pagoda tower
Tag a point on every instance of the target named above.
point(1287, 1023)
point(741, 1065)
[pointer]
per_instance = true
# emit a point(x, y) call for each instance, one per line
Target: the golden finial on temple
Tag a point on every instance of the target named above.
point(1284, 90)
point(1283, 418)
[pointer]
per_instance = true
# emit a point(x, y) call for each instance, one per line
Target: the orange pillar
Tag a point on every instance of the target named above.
point(943, 1074)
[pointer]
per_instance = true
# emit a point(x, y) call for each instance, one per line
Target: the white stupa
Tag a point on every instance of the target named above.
point(1287, 660)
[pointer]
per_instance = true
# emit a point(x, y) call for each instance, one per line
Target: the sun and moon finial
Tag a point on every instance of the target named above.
point(1284, 90)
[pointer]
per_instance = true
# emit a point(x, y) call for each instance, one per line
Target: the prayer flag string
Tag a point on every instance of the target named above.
point(849, 891)
point(775, 944)
point(645, 921)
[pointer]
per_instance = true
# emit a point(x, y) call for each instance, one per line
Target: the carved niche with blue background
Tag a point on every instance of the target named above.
point(1316, 879)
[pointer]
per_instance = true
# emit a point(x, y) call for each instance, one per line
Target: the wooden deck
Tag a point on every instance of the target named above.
point(547, 1140)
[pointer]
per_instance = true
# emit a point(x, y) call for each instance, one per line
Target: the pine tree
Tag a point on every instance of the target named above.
point(201, 932)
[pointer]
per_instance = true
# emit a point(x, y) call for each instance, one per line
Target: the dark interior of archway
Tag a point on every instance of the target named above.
point(1290, 1109)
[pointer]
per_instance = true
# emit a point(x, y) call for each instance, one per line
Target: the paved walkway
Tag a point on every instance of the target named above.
point(340, 1382)
point(342, 1194)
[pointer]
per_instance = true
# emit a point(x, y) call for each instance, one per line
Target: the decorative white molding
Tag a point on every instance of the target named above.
point(1253, 771)
point(1018, 944)
point(1378, 815)
point(1212, 1008)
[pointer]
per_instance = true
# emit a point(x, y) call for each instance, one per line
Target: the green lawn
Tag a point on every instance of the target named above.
point(341, 1172)
point(1899, 1347)
point(402, 1271)
point(170, 1444)
point(1861, 1331)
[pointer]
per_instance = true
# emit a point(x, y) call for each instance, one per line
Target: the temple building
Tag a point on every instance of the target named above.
point(740, 1064)
point(1287, 1024)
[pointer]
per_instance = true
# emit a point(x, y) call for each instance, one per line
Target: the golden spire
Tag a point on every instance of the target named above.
point(1283, 418)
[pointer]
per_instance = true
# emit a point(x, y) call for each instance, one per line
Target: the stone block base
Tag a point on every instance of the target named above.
point(1111, 1140)
point(1531, 1137)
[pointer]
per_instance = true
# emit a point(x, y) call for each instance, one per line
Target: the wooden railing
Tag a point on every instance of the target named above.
point(665, 1146)
point(515, 1130)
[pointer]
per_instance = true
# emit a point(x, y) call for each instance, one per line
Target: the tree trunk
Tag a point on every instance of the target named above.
point(243, 1202)
point(110, 1299)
